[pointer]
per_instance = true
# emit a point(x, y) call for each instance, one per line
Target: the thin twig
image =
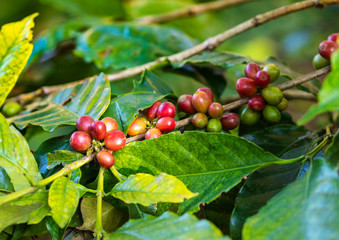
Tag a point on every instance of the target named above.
point(191, 11)
point(208, 44)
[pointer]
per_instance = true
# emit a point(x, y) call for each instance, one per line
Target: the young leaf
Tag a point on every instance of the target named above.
point(112, 218)
point(306, 209)
point(62, 157)
point(328, 95)
point(124, 108)
point(146, 189)
point(121, 46)
point(16, 158)
point(5, 181)
point(15, 49)
point(29, 209)
point(167, 226)
point(63, 199)
point(207, 163)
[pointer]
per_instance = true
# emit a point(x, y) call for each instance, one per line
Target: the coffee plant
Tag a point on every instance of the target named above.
point(116, 123)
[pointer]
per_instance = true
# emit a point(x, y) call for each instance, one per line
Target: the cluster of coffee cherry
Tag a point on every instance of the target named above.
point(202, 103)
point(155, 120)
point(106, 130)
point(325, 50)
point(262, 98)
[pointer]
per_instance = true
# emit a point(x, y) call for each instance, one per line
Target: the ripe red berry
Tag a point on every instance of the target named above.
point(201, 101)
point(152, 111)
point(251, 70)
point(105, 159)
point(110, 123)
point(98, 129)
point(230, 121)
point(326, 48)
point(166, 124)
point(208, 91)
point(245, 87)
point(262, 79)
point(166, 109)
point(153, 133)
point(80, 141)
point(333, 37)
point(256, 103)
point(84, 122)
point(215, 110)
point(184, 103)
point(115, 140)
point(138, 126)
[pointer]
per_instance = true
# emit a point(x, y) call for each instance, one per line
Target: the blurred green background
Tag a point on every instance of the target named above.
point(292, 39)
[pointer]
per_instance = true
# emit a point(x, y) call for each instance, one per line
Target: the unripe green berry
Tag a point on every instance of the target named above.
point(214, 125)
point(272, 95)
point(271, 114)
point(320, 62)
point(282, 106)
point(273, 71)
point(249, 117)
point(11, 109)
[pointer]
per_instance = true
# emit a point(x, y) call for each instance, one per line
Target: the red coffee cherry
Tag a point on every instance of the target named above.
point(201, 101)
point(80, 141)
point(153, 133)
point(200, 120)
point(110, 123)
point(208, 91)
point(215, 110)
point(84, 122)
point(326, 48)
point(262, 79)
point(115, 140)
point(105, 159)
point(152, 111)
point(230, 121)
point(138, 126)
point(256, 103)
point(98, 129)
point(333, 37)
point(184, 103)
point(251, 70)
point(166, 124)
point(245, 87)
point(166, 109)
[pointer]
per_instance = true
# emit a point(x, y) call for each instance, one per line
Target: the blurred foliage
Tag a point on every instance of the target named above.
point(293, 39)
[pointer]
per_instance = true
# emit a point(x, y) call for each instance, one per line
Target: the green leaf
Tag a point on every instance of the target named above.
point(63, 199)
point(121, 46)
point(15, 48)
point(62, 157)
point(279, 138)
point(167, 226)
point(112, 218)
point(151, 83)
point(5, 181)
point(332, 151)
point(56, 232)
point(64, 107)
point(207, 163)
point(306, 209)
point(29, 209)
point(125, 107)
point(328, 95)
point(259, 187)
point(16, 158)
point(146, 189)
point(41, 197)
point(88, 7)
